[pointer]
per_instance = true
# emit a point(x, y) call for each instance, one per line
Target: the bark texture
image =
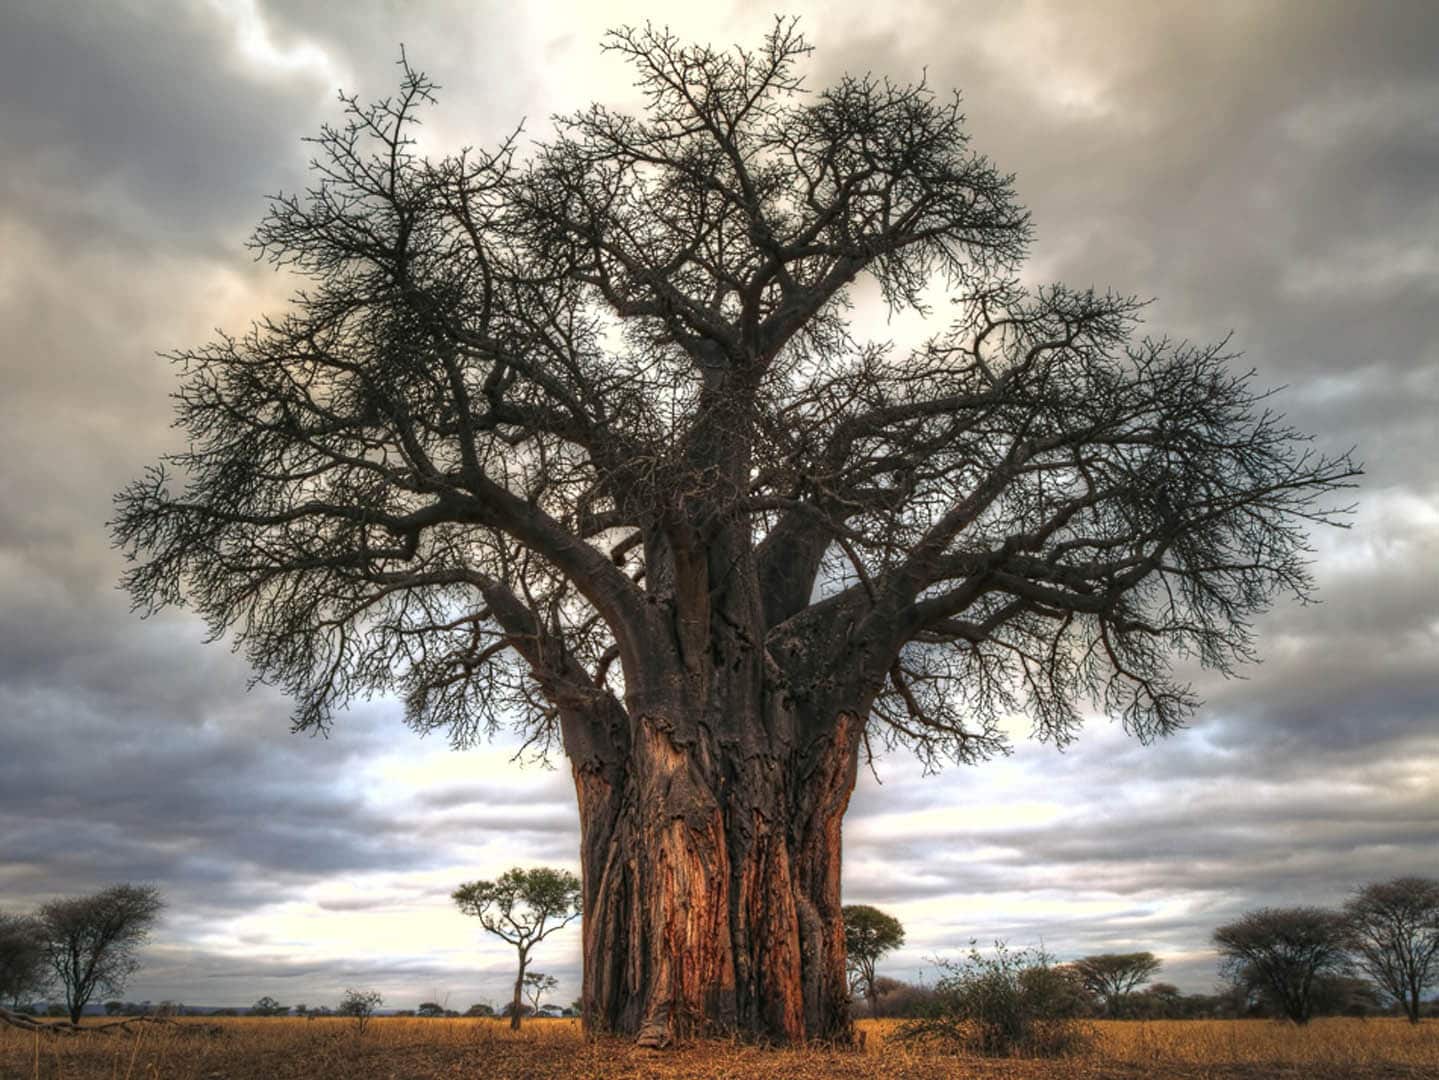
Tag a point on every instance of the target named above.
point(712, 893)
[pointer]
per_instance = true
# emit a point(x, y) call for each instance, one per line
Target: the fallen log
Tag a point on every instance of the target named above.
point(26, 1022)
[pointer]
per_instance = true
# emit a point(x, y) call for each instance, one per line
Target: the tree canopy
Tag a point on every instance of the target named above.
point(522, 906)
point(459, 448)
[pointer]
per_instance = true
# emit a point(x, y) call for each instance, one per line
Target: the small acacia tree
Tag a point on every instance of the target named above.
point(1112, 977)
point(1287, 952)
point(585, 439)
point(1393, 933)
point(91, 942)
point(24, 974)
point(868, 934)
point(523, 907)
point(537, 985)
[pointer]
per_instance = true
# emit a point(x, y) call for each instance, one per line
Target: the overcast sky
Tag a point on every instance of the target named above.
point(1270, 169)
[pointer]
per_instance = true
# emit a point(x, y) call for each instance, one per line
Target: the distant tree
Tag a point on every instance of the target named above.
point(1393, 934)
point(91, 942)
point(114, 1008)
point(268, 1006)
point(1158, 1001)
point(1284, 951)
point(23, 971)
point(868, 934)
point(480, 1008)
point(1347, 995)
point(537, 985)
point(902, 999)
point(361, 1006)
point(522, 907)
point(301, 1010)
point(583, 437)
point(430, 1010)
point(1112, 977)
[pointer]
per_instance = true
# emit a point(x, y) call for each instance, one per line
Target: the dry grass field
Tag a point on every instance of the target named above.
point(252, 1049)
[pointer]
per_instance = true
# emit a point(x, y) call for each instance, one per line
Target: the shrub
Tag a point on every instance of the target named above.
point(360, 1005)
point(904, 1001)
point(1009, 1003)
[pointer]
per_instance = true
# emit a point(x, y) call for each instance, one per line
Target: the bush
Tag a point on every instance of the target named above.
point(1010, 1003)
point(904, 1001)
point(360, 1005)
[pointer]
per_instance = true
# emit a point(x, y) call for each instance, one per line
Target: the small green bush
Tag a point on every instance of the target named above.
point(1008, 1003)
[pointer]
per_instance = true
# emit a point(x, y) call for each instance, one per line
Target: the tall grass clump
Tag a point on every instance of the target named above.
point(1005, 1003)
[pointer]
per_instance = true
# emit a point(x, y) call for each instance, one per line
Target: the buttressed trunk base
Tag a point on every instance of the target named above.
point(712, 890)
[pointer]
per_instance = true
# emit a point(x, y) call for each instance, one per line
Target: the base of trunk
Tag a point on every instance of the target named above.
point(712, 902)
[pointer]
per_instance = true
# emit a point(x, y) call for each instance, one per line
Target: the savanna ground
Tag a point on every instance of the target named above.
point(248, 1049)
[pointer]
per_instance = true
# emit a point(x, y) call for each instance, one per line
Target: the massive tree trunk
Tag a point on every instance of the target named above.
point(711, 808)
point(712, 888)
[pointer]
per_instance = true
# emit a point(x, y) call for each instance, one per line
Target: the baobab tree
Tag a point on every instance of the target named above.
point(581, 440)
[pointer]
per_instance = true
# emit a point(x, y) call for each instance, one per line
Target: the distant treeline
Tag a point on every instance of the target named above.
point(1376, 955)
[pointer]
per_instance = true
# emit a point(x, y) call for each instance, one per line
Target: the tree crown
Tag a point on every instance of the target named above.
point(522, 906)
point(476, 460)
point(870, 933)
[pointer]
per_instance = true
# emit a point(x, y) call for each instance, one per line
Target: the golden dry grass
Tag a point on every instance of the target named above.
point(251, 1049)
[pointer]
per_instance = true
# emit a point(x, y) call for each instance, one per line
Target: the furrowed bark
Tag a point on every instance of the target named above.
point(712, 895)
